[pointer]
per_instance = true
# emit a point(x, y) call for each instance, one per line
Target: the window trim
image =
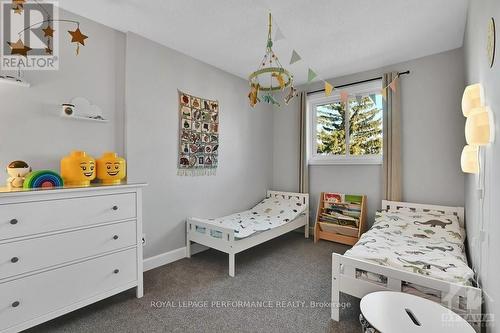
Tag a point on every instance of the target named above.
point(314, 100)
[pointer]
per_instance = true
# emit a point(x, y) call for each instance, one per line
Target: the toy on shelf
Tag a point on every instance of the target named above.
point(78, 169)
point(43, 179)
point(111, 169)
point(17, 171)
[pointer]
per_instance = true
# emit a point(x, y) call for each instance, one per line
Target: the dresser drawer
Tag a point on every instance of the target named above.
point(28, 298)
point(32, 254)
point(30, 218)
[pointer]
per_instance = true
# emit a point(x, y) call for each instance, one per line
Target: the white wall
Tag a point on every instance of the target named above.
point(478, 70)
point(30, 127)
point(432, 138)
point(153, 75)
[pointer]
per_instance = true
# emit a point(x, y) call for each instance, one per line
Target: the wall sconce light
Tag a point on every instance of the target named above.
point(479, 126)
point(472, 98)
point(469, 160)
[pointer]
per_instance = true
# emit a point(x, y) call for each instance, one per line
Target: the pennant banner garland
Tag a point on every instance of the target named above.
point(278, 34)
point(328, 89)
point(392, 85)
point(295, 57)
point(311, 75)
point(344, 96)
point(383, 92)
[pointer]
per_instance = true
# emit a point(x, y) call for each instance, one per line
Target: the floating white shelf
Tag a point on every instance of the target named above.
point(14, 81)
point(86, 118)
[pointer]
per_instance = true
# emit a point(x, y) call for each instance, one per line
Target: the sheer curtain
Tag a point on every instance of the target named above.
point(392, 139)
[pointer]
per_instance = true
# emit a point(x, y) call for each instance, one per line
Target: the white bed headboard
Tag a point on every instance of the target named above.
point(304, 197)
point(395, 205)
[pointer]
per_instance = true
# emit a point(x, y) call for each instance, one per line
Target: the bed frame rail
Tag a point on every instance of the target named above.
point(396, 205)
point(223, 239)
point(344, 280)
point(304, 197)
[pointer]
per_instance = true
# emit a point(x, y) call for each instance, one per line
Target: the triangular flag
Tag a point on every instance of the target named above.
point(359, 99)
point(278, 34)
point(344, 96)
point(393, 85)
point(295, 57)
point(311, 75)
point(383, 92)
point(373, 97)
point(328, 89)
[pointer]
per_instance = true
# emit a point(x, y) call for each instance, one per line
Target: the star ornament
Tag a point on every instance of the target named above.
point(19, 48)
point(18, 9)
point(17, 6)
point(78, 37)
point(48, 32)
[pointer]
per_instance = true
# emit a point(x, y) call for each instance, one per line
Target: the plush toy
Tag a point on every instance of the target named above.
point(291, 94)
point(268, 98)
point(17, 171)
point(280, 79)
point(253, 94)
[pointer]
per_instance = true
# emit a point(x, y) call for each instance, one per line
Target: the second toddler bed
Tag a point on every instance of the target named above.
point(277, 214)
point(412, 248)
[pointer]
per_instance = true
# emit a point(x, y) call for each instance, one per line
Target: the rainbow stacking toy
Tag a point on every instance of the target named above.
point(43, 179)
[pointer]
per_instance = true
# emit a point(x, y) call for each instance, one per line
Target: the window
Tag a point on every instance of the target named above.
point(346, 133)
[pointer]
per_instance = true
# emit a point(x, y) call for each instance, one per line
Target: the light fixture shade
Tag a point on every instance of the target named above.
point(472, 98)
point(469, 159)
point(478, 127)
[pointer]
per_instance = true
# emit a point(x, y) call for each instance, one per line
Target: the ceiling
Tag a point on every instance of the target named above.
point(334, 37)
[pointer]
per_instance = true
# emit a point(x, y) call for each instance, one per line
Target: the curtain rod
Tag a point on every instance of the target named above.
point(357, 82)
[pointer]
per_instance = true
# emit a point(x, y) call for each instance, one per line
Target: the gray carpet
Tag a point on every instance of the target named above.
point(276, 276)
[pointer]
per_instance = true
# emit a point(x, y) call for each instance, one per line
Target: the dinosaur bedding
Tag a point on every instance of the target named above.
point(267, 214)
point(427, 243)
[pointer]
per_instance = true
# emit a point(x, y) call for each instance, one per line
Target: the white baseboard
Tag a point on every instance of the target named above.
point(164, 258)
point(170, 256)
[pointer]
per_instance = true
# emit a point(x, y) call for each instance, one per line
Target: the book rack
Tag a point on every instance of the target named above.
point(340, 218)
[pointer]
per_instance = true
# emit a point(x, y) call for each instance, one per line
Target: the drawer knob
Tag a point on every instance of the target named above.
point(15, 304)
point(115, 207)
point(115, 237)
point(116, 271)
point(14, 260)
point(13, 221)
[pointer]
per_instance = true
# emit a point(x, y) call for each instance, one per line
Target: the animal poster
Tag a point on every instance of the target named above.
point(198, 135)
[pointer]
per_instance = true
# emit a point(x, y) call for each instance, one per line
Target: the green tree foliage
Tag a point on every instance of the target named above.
point(365, 128)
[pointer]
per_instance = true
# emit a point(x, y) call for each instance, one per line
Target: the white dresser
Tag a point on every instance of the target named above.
point(63, 249)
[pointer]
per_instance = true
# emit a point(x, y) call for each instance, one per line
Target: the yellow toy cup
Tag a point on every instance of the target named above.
point(78, 169)
point(111, 169)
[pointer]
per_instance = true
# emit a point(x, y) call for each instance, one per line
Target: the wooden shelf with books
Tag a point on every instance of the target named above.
point(340, 217)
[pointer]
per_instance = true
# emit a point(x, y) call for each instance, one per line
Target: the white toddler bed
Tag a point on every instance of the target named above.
point(277, 214)
point(411, 248)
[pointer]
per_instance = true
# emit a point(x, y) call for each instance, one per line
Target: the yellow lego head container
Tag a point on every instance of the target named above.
point(111, 169)
point(78, 169)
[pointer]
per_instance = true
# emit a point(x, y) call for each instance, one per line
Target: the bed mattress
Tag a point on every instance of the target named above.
point(427, 243)
point(268, 214)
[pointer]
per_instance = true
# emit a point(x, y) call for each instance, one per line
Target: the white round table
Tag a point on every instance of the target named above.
point(395, 312)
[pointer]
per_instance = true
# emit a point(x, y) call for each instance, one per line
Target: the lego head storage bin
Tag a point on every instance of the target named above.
point(78, 169)
point(111, 169)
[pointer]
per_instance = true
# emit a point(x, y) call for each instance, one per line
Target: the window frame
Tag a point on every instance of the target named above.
point(316, 99)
